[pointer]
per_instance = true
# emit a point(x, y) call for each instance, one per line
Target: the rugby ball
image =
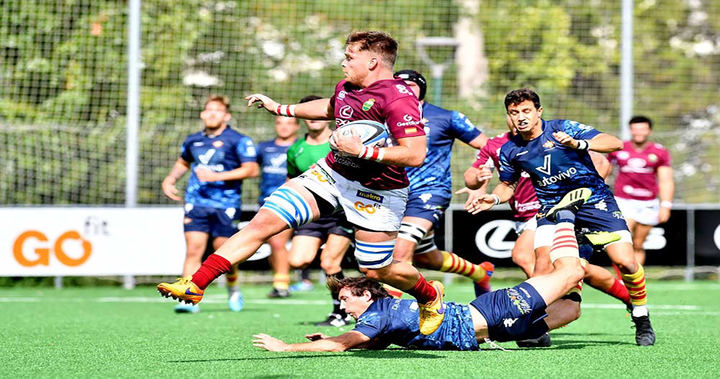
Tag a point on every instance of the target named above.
point(371, 133)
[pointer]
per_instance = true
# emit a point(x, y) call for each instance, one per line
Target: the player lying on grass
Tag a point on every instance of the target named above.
point(516, 313)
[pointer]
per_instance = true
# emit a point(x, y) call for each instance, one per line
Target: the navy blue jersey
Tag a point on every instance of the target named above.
point(221, 153)
point(272, 159)
point(554, 169)
point(396, 321)
point(442, 127)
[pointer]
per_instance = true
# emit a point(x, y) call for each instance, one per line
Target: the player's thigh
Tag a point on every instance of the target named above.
point(622, 254)
point(303, 250)
point(373, 249)
point(561, 313)
point(335, 248)
point(196, 242)
point(295, 204)
point(279, 241)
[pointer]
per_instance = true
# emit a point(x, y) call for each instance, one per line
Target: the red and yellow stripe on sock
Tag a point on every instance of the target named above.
point(635, 283)
point(231, 279)
point(456, 265)
point(394, 292)
point(281, 281)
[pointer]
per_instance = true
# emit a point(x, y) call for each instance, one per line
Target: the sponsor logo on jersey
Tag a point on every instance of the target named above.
point(548, 180)
point(199, 143)
point(516, 299)
point(205, 158)
point(549, 145)
point(341, 95)
point(425, 197)
point(368, 104)
point(652, 158)
point(370, 196)
point(218, 144)
point(409, 121)
point(346, 111)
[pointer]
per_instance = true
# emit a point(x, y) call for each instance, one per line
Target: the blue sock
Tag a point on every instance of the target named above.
point(564, 215)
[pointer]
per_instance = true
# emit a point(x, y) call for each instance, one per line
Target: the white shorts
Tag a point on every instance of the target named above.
point(376, 210)
point(642, 211)
point(521, 226)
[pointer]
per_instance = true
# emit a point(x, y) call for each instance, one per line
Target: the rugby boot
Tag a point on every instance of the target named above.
point(236, 301)
point(278, 293)
point(644, 334)
point(572, 201)
point(336, 320)
point(483, 286)
point(433, 312)
point(183, 290)
point(542, 341)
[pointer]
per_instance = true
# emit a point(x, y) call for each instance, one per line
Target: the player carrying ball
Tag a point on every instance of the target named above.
point(368, 183)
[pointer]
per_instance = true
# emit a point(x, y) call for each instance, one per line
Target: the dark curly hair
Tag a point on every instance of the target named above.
point(357, 286)
point(519, 95)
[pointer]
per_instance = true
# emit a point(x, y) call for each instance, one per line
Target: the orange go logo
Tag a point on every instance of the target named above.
point(365, 208)
point(43, 253)
point(320, 177)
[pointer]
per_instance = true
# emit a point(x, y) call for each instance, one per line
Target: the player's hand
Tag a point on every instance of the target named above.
point(479, 204)
point(663, 215)
point(205, 174)
point(268, 343)
point(262, 101)
point(348, 143)
point(565, 139)
point(483, 173)
point(472, 194)
point(316, 336)
point(169, 189)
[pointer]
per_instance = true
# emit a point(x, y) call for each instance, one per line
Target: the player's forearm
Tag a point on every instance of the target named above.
point(327, 344)
point(314, 110)
point(245, 171)
point(504, 191)
point(603, 143)
point(179, 169)
point(407, 154)
point(666, 186)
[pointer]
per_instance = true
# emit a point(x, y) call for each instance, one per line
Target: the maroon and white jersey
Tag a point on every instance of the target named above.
point(637, 174)
point(524, 202)
point(389, 102)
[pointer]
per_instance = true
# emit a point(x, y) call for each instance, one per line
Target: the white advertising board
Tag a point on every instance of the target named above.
point(91, 241)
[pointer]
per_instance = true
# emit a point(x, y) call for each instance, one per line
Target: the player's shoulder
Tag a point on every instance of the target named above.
point(392, 89)
point(659, 146)
point(432, 110)
point(265, 144)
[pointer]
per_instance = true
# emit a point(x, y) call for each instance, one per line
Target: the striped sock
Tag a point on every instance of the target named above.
point(635, 284)
point(456, 265)
point(232, 279)
point(281, 281)
point(423, 291)
point(394, 292)
point(564, 242)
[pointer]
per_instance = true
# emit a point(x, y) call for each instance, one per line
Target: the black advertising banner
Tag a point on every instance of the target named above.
point(490, 236)
point(707, 237)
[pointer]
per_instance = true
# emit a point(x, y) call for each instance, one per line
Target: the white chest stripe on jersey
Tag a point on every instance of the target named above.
point(545, 168)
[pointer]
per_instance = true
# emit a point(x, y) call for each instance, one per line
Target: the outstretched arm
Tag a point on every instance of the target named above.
point(602, 143)
point(502, 193)
point(318, 342)
point(666, 191)
point(319, 109)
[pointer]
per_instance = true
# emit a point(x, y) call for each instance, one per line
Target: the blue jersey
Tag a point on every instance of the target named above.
point(554, 169)
point(272, 159)
point(396, 321)
point(442, 127)
point(221, 153)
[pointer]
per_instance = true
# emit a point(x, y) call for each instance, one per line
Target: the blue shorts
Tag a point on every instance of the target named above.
point(604, 216)
point(321, 228)
point(428, 208)
point(513, 314)
point(213, 221)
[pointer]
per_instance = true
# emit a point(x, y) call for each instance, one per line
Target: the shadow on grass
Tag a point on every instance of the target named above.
point(378, 354)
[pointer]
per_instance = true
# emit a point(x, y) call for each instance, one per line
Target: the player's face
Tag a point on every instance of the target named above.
point(525, 117)
point(510, 125)
point(286, 127)
point(317, 125)
point(640, 132)
point(354, 305)
point(215, 115)
point(356, 65)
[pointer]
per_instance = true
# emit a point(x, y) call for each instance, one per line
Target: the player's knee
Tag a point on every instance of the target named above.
point(297, 262)
point(421, 260)
point(328, 265)
point(522, 259)
point(371, 273)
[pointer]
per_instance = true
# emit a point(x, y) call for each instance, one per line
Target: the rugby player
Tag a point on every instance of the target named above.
point(333, 230)
point(555, 155)
point(431, 191)
point(644, 174)
point(527, 310)
point(272, 158)
point(218, 159)
point(369, 183)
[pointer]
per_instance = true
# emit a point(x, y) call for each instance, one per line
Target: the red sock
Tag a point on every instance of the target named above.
point(423, 291)
point(619, 291)
point(617, 271)
point(212, 268)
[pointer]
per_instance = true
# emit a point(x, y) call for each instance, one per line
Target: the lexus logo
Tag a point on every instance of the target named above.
point(492, 238)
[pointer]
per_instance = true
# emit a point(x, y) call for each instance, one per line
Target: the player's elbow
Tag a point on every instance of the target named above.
point(470, 177)
point(416, 160)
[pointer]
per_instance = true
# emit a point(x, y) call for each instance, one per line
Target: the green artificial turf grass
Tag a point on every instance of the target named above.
point(92, 332)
